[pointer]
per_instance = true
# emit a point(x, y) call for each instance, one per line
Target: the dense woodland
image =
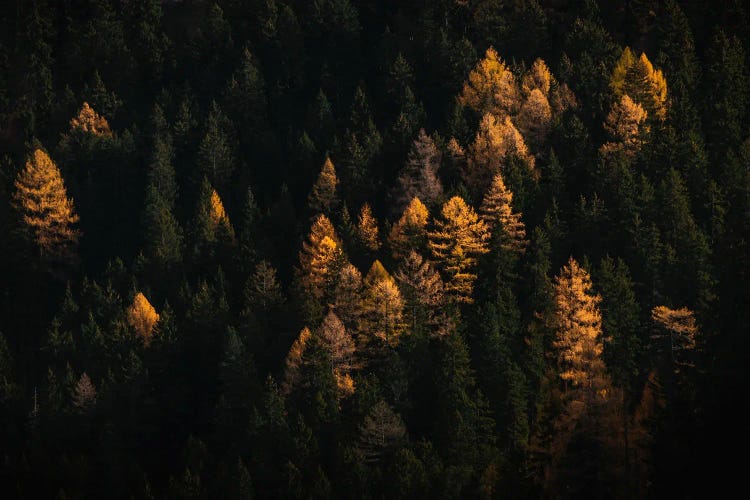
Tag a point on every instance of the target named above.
point(373, 249)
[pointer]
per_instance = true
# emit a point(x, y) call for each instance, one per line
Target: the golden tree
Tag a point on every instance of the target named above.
point(319, 257)
point(535, 118)
point(340, 347)
point(142, 317)
point(491, 87)
point(410, 231)
point(638, 78)
point(347, 297)
point(294, 360)
point(383, 305)
point(578, 329)
point(626, 125)
point(680, 330)
point(497, 212)
point(538, 77)
point(367, 229)
point(42, 201)
point(90, 121)
point(422, 290)
point(460, 236)
point(495, 141)
point(323, 198)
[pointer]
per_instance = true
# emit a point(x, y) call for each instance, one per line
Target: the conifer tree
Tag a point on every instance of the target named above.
point(496, 142)
point(319, 258)
point(381, 431)
point(497, 213)
point(627, 127)
point(422, 290)
point(46, 210)
point(419, 178)
point(262, 289)
point(142, 317)
point(216, 156)
point(458, 239)
point(323, 198)
point(293, 362)
point(84, 395)
point(341, 349)
point(211, 223)
point(410, 231)
point(491, 87)
point(348, 297)
point(367, 229)
point(383, 308)
point(89, 121)
point(637, 78)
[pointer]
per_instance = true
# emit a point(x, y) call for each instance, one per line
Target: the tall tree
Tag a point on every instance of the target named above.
point(142, 317)
point(491, 87)
point(458, 239)
point(46, 210)
point(410, 231)
point(419, 177)
point(323, 198)
point(497, 213)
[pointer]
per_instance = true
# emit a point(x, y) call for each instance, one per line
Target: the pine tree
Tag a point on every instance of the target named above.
point(367, 229)
point(383, 307)
point(211, 223)
point(142, 317)
point(319, 258)
point(293, 362)
point(381, 431)
point(341, 349)
point(535, 118)
point(491, 87)
point(348, 297)
point(47, 212)
point(90, 122)
point(637, 78)
point(410, 231)
point(497, 213)
point(216, 156)
point(626, 126)
point(458, 239)
point(497, 141)
point(323, 198)
point(262, 289)
point(422, 290)
point(578, 329)
point(84, 395)
point(419, 178)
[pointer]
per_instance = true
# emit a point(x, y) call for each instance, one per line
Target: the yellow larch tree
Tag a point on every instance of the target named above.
point(495, 140)
point(491, 87)
point(646, 85)
point(460, 236)
point(319, 257)
point(497, 212)
point(367, 229)
point(43, 203)
point(626, 125)
point(341, 350)
point(410, 231)
point(323, 198)
point(142, 317)
point(294, 360)
point(90, 121)
point(384, 308)
point(577, 324)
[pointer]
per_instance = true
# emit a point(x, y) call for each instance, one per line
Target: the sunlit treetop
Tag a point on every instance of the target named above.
point(142, 317)
point(42, 200)
point(409, 232)
point(638, 78)
point(491, 87)
point(90, 121)
point(627, 126)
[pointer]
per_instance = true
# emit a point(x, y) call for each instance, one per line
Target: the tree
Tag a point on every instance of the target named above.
point(216, 155)
point(679, 332)
point(422, 291)
point(535, 118)
point(319, 258)
point(491, 87)
point(458, 239)
point(341, 349)
point(46, 210)
point(293, 361)
point(383, 306)
point(497, 141)
point(410, 231)
point(142, 317)
point(323, 198)
point(644, 84)
point(381, 431)
point(262, 289)
point(348, 297)
point(367, 229)
point(211, 223)
point(626, 126)
point(578, 328)
point(497, 213)
point(89, 121)
point(84, 395)
point(419, 178)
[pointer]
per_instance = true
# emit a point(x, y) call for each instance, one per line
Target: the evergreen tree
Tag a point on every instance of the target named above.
point(497, 213)
point(323, 198)
point(410, 231)
point(419, 178)
point(216, 156)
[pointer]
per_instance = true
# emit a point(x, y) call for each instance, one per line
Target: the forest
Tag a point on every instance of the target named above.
point(374, 249)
